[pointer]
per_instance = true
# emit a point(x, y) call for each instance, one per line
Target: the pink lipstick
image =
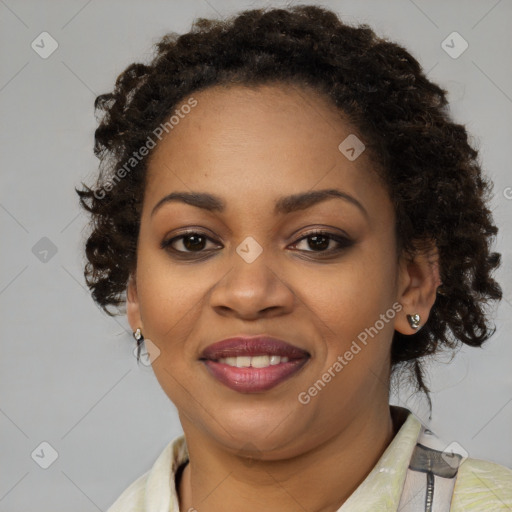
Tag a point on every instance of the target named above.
point(253, 364)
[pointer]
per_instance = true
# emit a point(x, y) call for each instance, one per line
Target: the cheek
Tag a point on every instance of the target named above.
point(347, 300)
point(359, 288)
point(170, 296)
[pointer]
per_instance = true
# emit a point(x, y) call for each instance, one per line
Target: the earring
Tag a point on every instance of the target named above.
point(414, 320)
point(138, 335)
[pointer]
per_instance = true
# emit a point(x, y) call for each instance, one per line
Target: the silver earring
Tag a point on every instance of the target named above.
point(138, 335)
point(414, 320)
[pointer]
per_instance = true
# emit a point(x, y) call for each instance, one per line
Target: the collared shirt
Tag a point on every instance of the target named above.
point(411, 475)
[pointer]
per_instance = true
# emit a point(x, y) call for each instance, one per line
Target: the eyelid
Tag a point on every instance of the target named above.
point(326, 232)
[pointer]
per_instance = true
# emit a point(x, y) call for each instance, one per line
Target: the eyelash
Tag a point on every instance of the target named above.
point(343, 242)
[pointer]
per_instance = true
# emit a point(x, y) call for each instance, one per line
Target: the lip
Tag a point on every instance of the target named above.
point(253, 380)
point(252, 346)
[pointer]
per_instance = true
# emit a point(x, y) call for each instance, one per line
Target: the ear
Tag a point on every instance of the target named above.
point(419, 279)
point(132, 305)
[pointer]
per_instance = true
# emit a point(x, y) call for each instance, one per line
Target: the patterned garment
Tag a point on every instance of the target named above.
point(431, 475)
point(416, 473)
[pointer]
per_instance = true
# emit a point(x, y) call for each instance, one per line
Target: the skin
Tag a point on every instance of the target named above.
point(250, 146)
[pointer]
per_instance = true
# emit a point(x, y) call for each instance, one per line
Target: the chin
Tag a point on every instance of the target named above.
point(260, 431)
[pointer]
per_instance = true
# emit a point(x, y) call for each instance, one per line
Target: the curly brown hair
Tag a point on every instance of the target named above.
point(431, 171)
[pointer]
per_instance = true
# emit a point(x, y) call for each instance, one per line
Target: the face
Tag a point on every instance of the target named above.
point(250, 148)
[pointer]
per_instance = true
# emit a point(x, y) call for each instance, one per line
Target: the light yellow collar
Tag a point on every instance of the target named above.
point(479, 484)
point(380, 490)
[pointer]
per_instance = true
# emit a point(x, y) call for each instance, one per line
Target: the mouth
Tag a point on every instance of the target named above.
point(253, 364)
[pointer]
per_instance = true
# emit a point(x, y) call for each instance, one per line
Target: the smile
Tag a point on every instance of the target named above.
point(253, 364)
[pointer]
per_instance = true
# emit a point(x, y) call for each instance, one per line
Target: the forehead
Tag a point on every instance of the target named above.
point(245, 116)
point(256, 143)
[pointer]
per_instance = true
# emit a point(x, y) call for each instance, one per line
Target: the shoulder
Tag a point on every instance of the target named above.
point(482, 485)
point(154, 490)
point(132, 498)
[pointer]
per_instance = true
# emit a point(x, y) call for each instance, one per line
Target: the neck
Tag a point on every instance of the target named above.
point(319, 480)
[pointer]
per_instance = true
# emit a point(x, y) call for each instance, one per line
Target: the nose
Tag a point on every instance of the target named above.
point(252, 290)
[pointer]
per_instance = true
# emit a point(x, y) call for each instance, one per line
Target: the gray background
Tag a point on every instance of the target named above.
point(68, 373)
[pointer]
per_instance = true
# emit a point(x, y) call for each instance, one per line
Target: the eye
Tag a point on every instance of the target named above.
point(320, 241)
point(192, 241)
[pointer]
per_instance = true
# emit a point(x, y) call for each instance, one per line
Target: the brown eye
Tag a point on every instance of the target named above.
point(187, 242)
point(320, 241)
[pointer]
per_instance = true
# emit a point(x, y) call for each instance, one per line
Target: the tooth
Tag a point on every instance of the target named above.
point(243, 361)
point(260, 361)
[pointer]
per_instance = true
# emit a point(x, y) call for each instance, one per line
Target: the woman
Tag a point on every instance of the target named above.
point(290, 215)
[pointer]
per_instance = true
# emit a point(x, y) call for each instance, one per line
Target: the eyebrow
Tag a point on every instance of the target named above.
point(283, 205)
